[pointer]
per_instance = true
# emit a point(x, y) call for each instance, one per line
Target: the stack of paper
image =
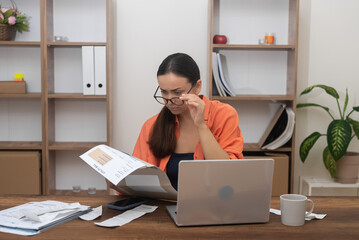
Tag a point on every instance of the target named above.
point(35, 217)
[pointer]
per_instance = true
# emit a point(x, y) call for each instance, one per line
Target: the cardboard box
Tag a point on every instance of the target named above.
point(20, 172)
point(280, 174)
point(12, 87)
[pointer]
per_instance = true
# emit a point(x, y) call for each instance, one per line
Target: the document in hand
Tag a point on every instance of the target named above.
point(131, 175)
point(35, 217)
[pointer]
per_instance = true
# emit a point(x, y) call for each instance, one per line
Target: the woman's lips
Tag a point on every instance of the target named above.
point(174, 108)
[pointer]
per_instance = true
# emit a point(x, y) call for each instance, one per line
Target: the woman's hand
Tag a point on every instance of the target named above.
point(196, 107)
point(210, 146)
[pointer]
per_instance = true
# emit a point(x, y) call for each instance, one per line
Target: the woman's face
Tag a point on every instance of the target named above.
point(173, 86)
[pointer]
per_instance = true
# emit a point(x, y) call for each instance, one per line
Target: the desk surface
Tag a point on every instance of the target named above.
point(342, 222)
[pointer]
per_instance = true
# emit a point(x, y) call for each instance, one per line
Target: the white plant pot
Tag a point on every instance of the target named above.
point(348, 168)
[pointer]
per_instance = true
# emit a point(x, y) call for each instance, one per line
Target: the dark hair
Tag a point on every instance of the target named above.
point(182, 65)
point(163, 139)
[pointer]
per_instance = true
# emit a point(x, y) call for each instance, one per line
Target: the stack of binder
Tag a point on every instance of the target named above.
point(94, 70)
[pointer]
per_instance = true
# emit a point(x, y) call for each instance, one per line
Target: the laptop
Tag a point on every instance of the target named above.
point(216, 192)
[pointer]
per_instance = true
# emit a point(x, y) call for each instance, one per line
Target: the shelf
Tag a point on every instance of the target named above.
point(20, 95)
point(73, 145)
point(255, 98)
point(252, 47)
point(75, 96)
point(20, 145)
point(19, 44)
point(253, 147)
point(81, 193)
point(75, 44)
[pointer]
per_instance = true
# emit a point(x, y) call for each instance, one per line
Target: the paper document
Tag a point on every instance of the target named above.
point(95, 213)
point(110, 163)
point(34, 217)
point(131, 175)
point(127, 216)
point(308, 218)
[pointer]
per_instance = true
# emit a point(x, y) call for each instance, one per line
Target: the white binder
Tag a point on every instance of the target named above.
point(100, 70)
point(88, 70)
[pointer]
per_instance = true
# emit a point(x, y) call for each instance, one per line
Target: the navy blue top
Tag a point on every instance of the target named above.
point(172, 166)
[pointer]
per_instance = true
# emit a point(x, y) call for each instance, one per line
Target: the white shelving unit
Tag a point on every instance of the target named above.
point(312, 186)
point(53, 116)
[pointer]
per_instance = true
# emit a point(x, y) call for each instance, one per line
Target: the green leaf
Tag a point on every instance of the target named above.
point(329, 162)
point(331, 91)
point(302, 105)
point(307, 144)
point(355, 125)
point(7, 14)
point(23, 27)
point(345, 102)
point(338, 137)
point(356, 108)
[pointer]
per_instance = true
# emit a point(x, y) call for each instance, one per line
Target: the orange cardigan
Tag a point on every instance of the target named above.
point(221, 119)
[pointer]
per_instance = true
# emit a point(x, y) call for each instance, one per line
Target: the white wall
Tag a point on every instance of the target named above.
point(145, 33)
point(328, 54)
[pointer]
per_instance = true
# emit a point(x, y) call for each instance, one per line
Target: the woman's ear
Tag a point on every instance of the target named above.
point(198, 86)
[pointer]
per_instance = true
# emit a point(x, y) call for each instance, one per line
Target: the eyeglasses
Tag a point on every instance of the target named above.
point(175, 100)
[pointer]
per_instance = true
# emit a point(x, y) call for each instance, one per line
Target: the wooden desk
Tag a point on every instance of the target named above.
point(342, 222)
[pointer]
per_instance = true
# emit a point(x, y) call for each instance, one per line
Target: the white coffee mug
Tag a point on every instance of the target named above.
point(293, 209)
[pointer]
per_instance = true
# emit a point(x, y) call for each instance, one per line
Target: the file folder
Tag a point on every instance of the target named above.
point(88, 71)
point(100, 70)
point(35, 217)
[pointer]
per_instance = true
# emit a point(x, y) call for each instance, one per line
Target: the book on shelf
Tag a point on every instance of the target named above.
point(100, 70)
point(222, 68)
point(279, 130)
point(88, 70)
point(215, 73)
point(271, 124)
point(219, 77)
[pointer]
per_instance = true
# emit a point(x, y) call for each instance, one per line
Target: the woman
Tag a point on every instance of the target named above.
point(189, 126)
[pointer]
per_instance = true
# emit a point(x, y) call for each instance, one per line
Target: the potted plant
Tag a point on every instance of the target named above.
point(11, 19)
point(339, 134)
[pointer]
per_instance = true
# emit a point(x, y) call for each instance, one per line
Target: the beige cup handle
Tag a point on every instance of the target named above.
point(311, 209)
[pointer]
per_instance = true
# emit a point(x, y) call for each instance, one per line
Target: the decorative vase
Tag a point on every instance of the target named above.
point(348, 168)
point(6, 32)
point(219, 39)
